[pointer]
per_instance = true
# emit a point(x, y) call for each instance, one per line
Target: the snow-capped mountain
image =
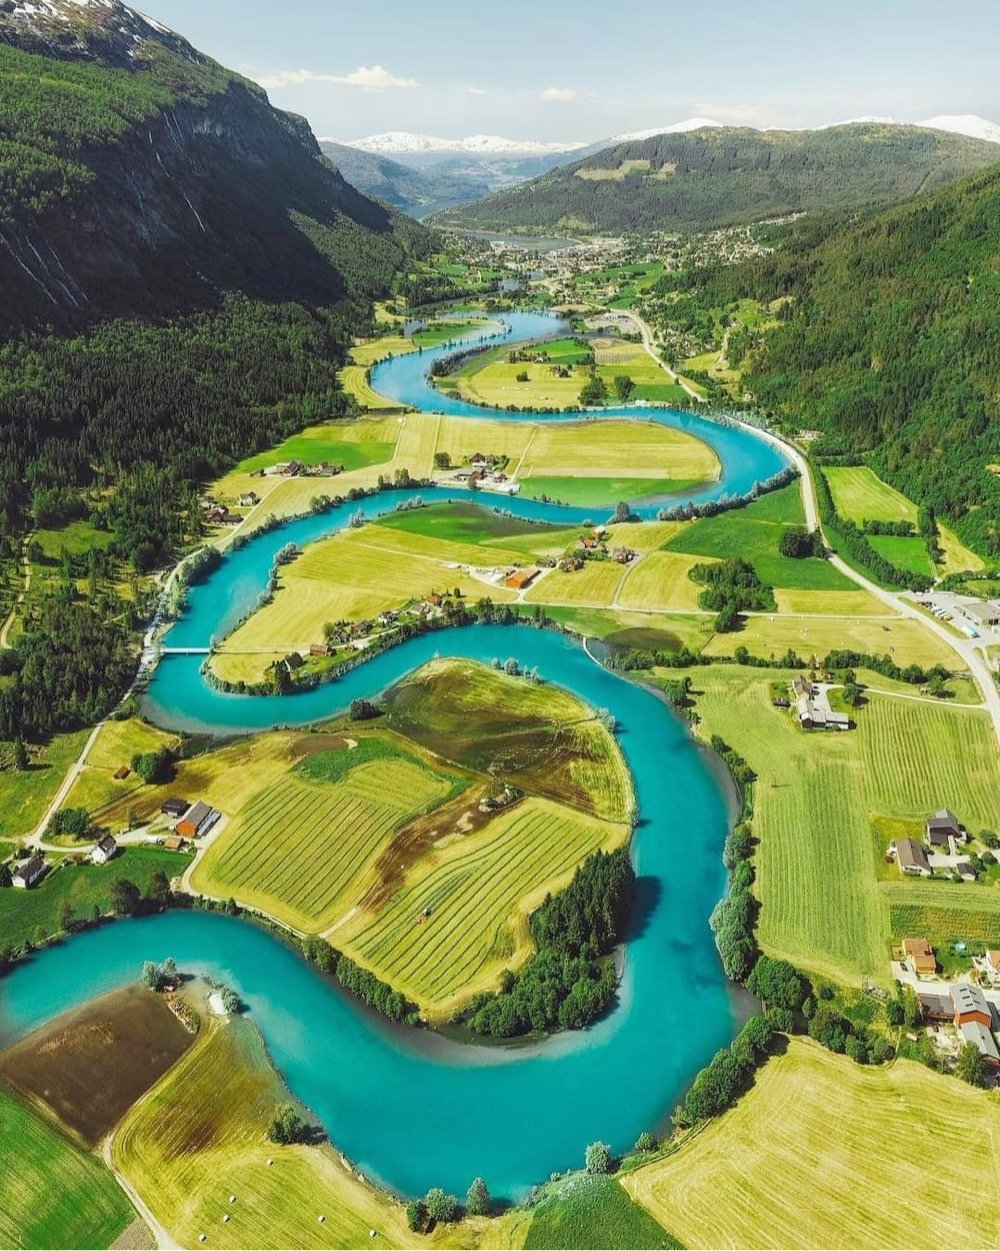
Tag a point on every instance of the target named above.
point(965, 124)
point(675, 128)
point(404, 143)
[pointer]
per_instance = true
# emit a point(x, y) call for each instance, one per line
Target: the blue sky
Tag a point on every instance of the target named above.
point(583, 69)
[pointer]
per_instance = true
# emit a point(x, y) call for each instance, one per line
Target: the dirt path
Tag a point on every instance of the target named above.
point(163, 1239)
point(22, 594)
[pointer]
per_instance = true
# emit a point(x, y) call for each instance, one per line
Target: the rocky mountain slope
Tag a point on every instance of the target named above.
point(138, 175)
point(408, 189)
point(722, 176)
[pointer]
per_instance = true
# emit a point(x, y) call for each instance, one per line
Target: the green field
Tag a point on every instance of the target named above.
point(31, 914)
point(76, 538)
point(201, 1137)
point(469, 523)
point(909, 554)
point(822, 904)
point(307, 847)
point(592, 1212)
point(53, 1193)
point(945, 912)
point(477, 892)
point(355, 446)
point(25, 795)
point(598, 492)
point(825, 1153)
point(754, 533)
point(860, 496)
point(438, 332)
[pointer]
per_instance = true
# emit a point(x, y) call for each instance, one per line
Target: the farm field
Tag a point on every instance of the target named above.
point(591, 448)
point(856, 603)
point(353, 576)
point(54, 1194)
point(353, 444)
point(634, 629)
point(754, 533)
point(659, 582)
point(944, 912)
point(591, 1211)
point(90, 1067)
point(957, 557)
point(593, 586)
point(354, 380)
point(96, 787)
point(25, 795)
point(909, 554)
point(591, 491)
point(863, 1186)
point(771, 635)
point(474, 523)
point(305, 849)
point(35, 914)
point(822, 905)
point(450, 330)
point(201, 1136)
point(477, 893)
point(860, 496)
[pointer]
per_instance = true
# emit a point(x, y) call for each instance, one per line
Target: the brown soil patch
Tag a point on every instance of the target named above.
point(90, 1067)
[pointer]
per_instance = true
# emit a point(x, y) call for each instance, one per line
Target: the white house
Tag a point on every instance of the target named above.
point(104, 849)
point(28, 872)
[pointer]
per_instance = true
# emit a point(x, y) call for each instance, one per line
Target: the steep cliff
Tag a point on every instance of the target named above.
point(137, 175)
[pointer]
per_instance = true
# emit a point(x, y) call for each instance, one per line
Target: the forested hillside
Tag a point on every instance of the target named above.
point(724, 176)
point(410, 190)
point(890, 344)
point(180, 273)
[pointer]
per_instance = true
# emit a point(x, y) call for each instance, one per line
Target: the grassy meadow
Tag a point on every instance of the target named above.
point(860, 496)
point(54, 1193)
point(25, 795)
point(825, 1153)
point(818, 798)
point(593, 1212)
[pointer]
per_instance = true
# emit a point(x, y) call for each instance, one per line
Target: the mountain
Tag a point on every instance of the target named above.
point(723, 176)
point(402, 142)
point(138, 175)
point(889, 344)
point(410, 190)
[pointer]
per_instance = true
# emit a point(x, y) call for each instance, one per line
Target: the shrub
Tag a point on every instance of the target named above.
point(477, 1201)
point(598, 1158)
point(440, 1206)
point(287, 1126)
point(645, 1141)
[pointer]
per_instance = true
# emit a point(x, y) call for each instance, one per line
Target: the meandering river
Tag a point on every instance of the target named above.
point(411, 1108)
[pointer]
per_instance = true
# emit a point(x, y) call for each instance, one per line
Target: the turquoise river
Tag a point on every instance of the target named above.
point(412, 1108)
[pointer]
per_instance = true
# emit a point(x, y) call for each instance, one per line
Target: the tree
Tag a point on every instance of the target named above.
point(645, 1141)
point(441, 461)
point(154, 766)
point(622, 511)
point(440, 1206)
point(416, 1215)
point(594, 392)
point(852, 694)
point(477, 1201)
point(66, 916)
point(159, 889)
point(728, 620)
point(970, 1065)
point(624, 386)
point(6, 879)
point(598, 1158)
point(125, 897)
point(287, 1126)
point(778, 984)
point(20, 754)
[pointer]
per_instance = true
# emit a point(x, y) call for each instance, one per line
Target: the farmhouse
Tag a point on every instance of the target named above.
point(942, 827)
point(173, 843)
point(174, 807)
point(920, 955)
point(104, 849)
point(29, 873)
point(198, 820)
point(970, 1004)
point(623, 555)
point(249, 499)
point(911, 857)
point(522, 578)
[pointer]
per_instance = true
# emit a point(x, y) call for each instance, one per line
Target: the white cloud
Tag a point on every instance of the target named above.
point(365, 77)
point(563, 94)
point(476, 91)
